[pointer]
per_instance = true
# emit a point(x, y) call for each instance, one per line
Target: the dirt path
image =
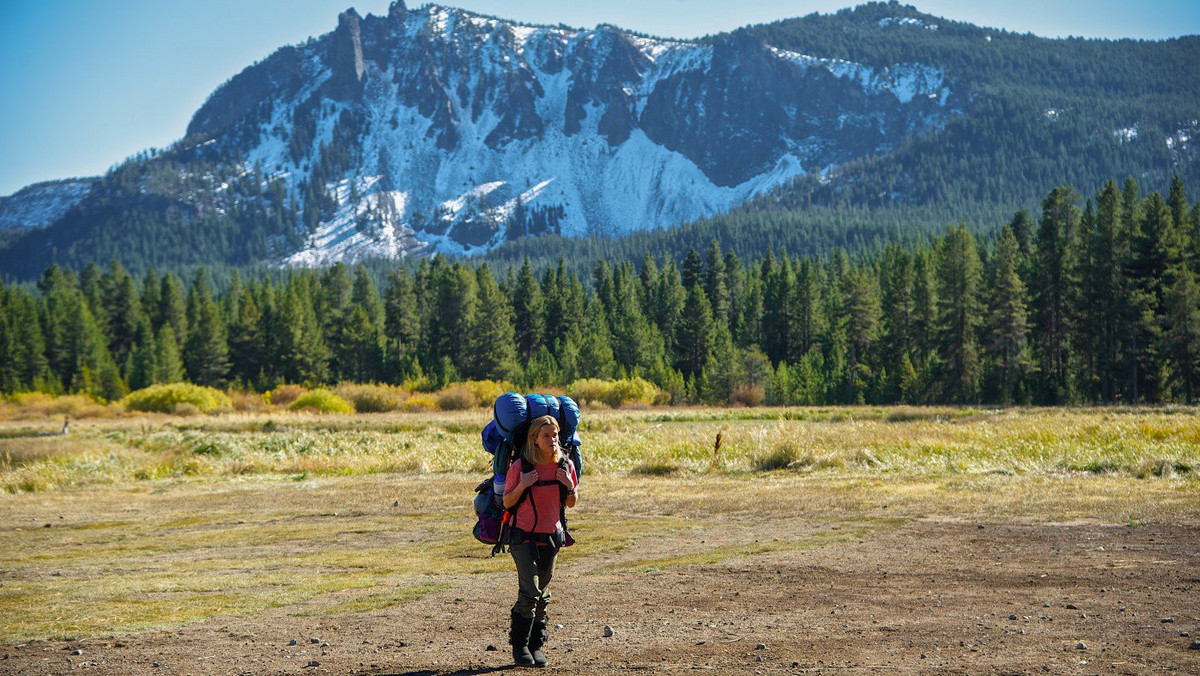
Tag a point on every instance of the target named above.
point(928, 597)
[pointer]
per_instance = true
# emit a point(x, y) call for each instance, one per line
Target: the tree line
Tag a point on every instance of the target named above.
point(1072, 305)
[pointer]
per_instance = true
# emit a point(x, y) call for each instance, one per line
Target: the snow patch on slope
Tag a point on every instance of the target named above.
point(41, 204)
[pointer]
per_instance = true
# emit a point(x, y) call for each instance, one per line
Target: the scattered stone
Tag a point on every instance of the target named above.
point(1194, 646)
point(1071, 606)
point(1045, 605)
point(156, 665)
point(396, 503)
point(608, 631)
point(1012, 617)
point(980, 526)
point(491, 648)
point(314, 640)
point(558, 626)
point(1167, 620)
point(294, 642)
point(313, 663)
point(761, 646)
point(77, 652)
point(1081, 646)
point(1184, 634)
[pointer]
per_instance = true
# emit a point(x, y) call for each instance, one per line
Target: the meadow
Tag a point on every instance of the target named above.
point(134, 524)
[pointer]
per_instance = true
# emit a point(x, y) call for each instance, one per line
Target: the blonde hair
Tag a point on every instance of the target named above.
point(531, 452)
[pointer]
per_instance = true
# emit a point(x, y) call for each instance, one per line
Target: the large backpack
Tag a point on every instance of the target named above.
point(504, 438)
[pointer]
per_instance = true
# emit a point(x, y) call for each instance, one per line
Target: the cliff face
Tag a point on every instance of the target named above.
point(457, 119)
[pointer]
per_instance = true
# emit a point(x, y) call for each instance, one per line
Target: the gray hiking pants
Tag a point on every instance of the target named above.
point(535, 567)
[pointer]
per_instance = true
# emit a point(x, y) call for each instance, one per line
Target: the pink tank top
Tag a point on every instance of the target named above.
point(543, 500)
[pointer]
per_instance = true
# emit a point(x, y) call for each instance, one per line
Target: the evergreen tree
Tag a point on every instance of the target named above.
point(1181, 333)
point(959, 315)
point(168, 364)
point(896, 339)
point(206, 352)
point(695, 335)
point(1053, 282)
point(172, 309)
point(402, 321)
point(247, 340)
point(1008, 326)
point(529, 313)
point(777, 311)
point(122, 310)
point(27, 348)
point(716, 285)
point(1104, 293)
point(862, 311)
point(591, 345)
point(491, 337)
point(692, 269)
point(303, 351)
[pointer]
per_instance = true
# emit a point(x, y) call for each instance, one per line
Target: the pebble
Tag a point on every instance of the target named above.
point(1012, 617)
point(761, 646)
point(314, 640)
point(156, 665)
point(76, 652)
point(491, 648)
point(558, 626)
point(294, 642)
point(1194, 646)
point(608, 631)
point(1081, 646)
point(1167, 620)
point(1071, 606)
point(314, 663)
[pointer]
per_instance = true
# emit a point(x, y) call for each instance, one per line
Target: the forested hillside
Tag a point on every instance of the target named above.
point(1043, 112)
point(1081, 301)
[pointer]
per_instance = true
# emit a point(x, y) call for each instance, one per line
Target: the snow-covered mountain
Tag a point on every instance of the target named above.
point(438, 129)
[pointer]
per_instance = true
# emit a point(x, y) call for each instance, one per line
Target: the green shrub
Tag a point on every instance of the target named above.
point(167, 399)
point(322, 401)
point(372, 398)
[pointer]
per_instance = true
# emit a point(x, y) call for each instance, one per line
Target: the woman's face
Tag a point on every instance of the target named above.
point(547, 441)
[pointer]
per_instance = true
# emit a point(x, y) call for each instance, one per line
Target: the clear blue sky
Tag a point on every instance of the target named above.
point(87, 83)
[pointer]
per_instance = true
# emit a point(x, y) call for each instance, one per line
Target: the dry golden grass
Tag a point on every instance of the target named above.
point(156, 522)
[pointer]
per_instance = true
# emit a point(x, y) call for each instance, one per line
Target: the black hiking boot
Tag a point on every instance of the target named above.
point(537, 639)
point(518, 636)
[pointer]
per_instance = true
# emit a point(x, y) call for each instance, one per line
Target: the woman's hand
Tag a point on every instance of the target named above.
point(564, 478)
point(529, 478)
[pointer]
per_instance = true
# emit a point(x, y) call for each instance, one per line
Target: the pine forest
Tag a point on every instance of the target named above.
point(1085, 301)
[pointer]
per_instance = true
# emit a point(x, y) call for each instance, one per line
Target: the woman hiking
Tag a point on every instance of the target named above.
point(541, 483)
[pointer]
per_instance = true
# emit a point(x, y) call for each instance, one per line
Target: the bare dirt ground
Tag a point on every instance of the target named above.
point(924, 597)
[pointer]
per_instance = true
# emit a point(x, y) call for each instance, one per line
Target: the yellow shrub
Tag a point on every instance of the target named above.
point(322, 401)
point(420, 402)
point(167, 398)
